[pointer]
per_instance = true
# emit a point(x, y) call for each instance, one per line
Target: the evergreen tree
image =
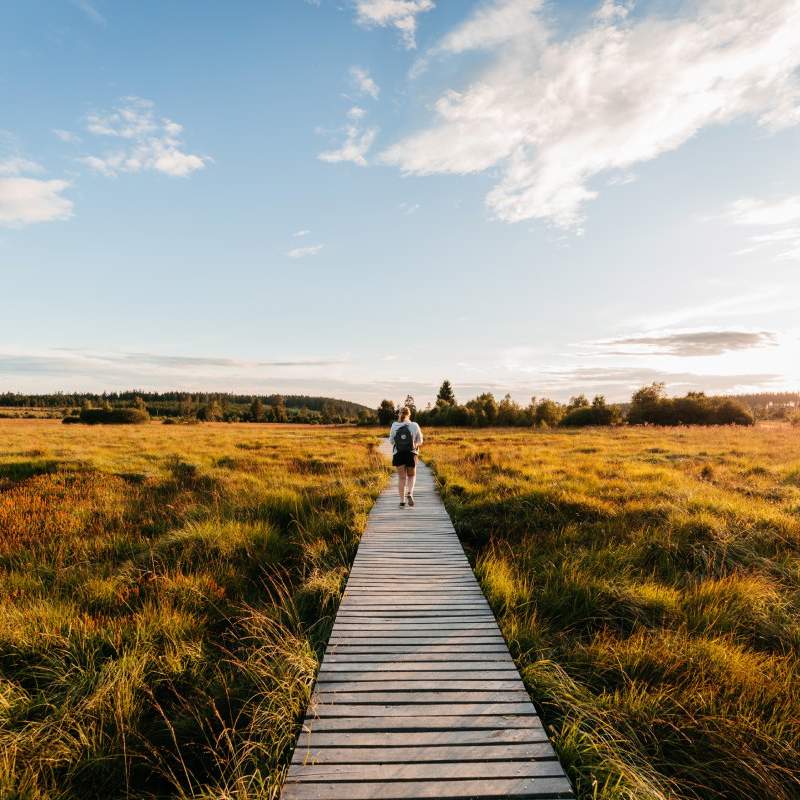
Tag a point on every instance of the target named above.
point(257, 412)
point(446, 394)
point(279, 410)
point(412, 406)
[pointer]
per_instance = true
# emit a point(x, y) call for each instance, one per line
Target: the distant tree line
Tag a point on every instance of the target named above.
point(649, 406)
point(202, 406)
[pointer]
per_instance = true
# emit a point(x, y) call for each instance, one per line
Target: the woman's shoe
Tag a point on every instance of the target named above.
point(411, 499)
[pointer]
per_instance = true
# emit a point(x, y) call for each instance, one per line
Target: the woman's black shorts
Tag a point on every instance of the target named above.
point(405, 459)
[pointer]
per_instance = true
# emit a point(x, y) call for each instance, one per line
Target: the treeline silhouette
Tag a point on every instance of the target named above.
point(649, 405)
point(203, 406)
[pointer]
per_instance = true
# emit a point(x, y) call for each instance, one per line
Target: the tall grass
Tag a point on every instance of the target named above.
point(165, 596)
point(648, 581)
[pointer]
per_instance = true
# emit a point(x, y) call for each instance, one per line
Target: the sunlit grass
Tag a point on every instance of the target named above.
point(648, 581)
point(165, 597)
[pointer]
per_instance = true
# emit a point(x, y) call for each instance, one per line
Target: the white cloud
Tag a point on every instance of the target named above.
point(358, 140)
point(299, 234)
point(610, 10)
point(398, 14)
point(16, 165)
point(552, 114)
point(305, 252)
point(364, 82)
point(782, 213)
point(149, 142)
point(494, 23)
point(409, 208)
point(354, 149)
point(24, 201)
point(66, 136)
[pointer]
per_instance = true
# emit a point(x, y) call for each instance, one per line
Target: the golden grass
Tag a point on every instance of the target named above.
point(165, 595)
point(649, 583)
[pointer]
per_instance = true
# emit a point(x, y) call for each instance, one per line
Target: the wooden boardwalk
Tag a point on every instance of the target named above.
point(417, 695)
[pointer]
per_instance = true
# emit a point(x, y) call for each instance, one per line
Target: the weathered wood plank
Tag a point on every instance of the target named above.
point(441, 738)
point(417, 684)
point(422, 722)
point(541, 788)
point(320, 709)
point(424, 771)
point(420, 754)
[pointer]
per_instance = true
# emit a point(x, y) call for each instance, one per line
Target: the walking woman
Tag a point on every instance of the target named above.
point(406, 438)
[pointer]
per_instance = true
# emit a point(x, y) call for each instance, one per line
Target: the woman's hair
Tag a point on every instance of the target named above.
point(405, 412)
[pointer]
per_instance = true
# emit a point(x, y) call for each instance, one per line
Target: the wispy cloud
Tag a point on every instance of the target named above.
point(752, 304)
point(358, 139)
point(355, 147)
point(301, 233)
point(147, 141)
point(398, 14)
point(82, 369)
point(778, 220)
point(364, 82)
point(66, 136)
point(553, 114)
point(694, 343)
point(90, 11)
point(16, 165)
point(305, 252)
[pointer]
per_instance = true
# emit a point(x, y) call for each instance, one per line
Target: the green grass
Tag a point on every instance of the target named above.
point(648, 581)
point(165, 596)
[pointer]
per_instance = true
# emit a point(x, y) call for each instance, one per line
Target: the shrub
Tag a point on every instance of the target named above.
point(548, 413)
point(598, 413)
point(650, 405)
point(110, 416)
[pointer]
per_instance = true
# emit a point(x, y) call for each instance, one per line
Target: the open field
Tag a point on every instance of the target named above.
point(648, 581)
point(165, 595)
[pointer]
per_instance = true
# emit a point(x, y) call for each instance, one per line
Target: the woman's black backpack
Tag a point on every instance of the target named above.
point(403, 440)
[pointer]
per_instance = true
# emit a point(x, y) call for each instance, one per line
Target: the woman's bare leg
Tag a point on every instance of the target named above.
point(401, 483)
point(411, 479)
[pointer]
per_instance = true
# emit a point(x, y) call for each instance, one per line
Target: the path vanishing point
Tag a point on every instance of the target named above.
point(417, 695)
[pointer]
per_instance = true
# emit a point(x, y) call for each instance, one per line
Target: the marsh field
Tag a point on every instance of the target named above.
point(166, 593)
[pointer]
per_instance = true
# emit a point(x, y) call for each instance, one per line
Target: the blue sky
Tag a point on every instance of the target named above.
point(360, 197)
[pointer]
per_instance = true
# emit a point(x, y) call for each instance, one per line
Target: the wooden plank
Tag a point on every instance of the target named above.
point(466, 721)
point(414, 644)
point(416, 638)
point(400, 662)
point(417, 754)
point(424, 771)
point(395, 697)
point(541, 788)
point(429, 739)
point(320, 710)
point(416, 684)
point(408, 672)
